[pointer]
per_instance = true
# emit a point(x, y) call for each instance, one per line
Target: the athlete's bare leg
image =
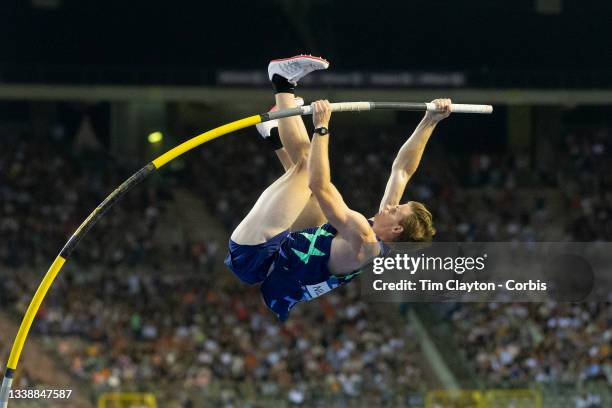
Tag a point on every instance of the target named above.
point(292, 131)
point(280, 205)
point(294, 136)
point(277, 208)
point(311, 216)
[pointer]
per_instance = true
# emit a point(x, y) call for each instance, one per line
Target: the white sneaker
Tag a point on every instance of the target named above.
point(295, 68)
point(265, 127)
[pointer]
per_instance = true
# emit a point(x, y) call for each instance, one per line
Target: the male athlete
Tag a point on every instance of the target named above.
point(276, 244)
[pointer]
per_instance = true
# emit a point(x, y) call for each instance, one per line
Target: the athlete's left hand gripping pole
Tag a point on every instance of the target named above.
point(57, 265)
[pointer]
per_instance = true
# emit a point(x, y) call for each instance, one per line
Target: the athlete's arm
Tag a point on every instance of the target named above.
point(350, 224)
point(409, 155)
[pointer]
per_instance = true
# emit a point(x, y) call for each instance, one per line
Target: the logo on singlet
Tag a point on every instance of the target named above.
point(312, 251)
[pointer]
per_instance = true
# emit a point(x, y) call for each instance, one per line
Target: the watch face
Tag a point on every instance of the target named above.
point(322, 131)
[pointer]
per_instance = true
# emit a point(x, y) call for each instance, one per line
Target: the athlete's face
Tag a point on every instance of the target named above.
point(389, 219)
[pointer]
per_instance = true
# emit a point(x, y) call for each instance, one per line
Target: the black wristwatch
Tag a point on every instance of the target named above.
point(322, 131)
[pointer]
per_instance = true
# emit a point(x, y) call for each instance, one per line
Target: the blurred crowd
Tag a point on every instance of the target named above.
point(47, 190)
point(518, 343)
point(585, 180)
point(122, 321)
point(512, 344)
point(179, 331)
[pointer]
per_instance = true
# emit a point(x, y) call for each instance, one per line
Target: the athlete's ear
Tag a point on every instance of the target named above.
point(397, 229)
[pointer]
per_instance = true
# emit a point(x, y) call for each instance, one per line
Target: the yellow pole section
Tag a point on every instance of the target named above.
point(205, 137)
point(57, 265)
point(22, 334)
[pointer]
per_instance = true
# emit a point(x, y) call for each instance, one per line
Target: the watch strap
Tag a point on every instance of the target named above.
point(322, 131)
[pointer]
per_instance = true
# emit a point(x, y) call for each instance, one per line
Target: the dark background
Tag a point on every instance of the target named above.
point(495, 43)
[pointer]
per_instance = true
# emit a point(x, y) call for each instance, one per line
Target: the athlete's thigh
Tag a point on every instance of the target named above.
point(311, 216)
point(276, 209)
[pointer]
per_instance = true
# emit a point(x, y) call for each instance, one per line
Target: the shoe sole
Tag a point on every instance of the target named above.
point(302, 56)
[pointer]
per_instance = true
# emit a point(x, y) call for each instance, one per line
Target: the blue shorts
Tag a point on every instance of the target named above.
point(251, 263)
point(292, 267)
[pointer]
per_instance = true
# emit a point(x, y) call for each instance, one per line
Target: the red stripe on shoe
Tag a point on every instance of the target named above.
point(301, 56)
